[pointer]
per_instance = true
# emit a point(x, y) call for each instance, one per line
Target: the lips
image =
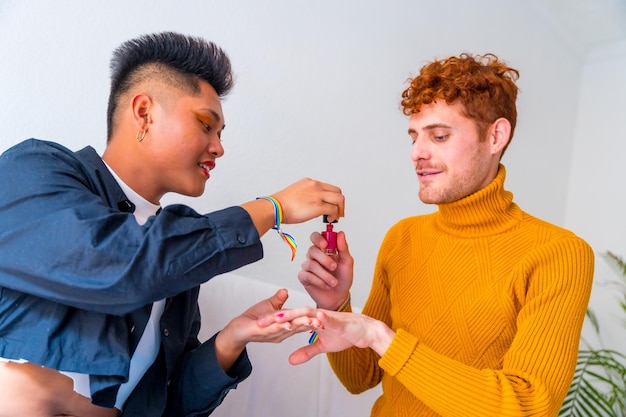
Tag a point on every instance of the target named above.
point(206, 166)
point(426, 173)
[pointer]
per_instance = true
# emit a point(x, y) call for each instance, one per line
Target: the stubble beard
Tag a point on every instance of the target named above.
point(457, 186)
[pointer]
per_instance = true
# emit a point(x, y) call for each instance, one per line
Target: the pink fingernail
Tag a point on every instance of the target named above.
point(280, 315)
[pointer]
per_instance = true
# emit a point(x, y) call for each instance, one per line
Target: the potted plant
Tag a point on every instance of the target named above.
point(599, 384)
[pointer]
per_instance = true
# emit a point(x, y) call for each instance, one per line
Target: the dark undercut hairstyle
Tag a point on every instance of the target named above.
point(170, 58)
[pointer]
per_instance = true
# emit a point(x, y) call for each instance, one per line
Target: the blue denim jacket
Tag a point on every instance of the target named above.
point(77, 272)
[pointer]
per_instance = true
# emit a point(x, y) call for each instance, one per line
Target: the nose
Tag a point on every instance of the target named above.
point(215, 147)
point(419, 150)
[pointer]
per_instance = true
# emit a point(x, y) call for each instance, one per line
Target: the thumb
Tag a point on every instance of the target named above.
point(304, 354)
point(342, 242)
point(277, 300)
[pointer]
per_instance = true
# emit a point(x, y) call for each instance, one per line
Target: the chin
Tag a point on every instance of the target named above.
point(192, 192)
point(197, 193)
point(427, 198)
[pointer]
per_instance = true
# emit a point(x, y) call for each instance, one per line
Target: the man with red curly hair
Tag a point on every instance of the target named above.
point(475, 309)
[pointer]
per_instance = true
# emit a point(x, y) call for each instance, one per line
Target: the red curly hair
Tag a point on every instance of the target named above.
point(484, 85)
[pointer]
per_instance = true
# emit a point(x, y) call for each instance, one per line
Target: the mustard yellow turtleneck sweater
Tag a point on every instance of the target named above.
point(487, 303)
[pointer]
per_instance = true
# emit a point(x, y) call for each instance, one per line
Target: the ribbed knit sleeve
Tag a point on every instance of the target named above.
point(487, 317)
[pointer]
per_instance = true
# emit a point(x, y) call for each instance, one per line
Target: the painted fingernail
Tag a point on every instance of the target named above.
point(280, 315)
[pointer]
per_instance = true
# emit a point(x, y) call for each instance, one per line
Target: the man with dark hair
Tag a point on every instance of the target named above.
point(475, 309)
point(99, 284)
point(159, 59)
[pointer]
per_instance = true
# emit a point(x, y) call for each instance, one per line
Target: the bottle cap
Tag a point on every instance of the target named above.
point(325, 219)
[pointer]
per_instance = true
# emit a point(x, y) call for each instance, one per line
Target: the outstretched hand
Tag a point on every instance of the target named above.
point(337, 331)
point(244, 329)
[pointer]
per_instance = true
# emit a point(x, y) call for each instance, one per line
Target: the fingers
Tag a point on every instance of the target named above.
point(318, 240)
point(308, 198)
point(318, 267)
point(315, 275)
point(279, 331)
point(333, 200)
point(301, 315)
point(301, 324)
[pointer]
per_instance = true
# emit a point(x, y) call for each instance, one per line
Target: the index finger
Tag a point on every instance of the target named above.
point(286, 315)
point(335, 202)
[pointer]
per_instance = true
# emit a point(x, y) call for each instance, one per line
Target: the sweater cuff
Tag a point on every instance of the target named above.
point(400, 350)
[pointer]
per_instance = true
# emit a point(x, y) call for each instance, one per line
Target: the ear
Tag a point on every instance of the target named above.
point(141, 105)
point(499, 135)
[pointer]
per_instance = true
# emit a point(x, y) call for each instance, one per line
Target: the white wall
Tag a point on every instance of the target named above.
point(597, 196)
point(317, 94)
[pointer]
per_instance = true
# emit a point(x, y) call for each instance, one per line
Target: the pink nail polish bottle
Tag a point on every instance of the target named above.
point(331, 237)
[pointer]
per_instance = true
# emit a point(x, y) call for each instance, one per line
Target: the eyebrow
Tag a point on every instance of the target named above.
point(431, 127)
point(217, 116)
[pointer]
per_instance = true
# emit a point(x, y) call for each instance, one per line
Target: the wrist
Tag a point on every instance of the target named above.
point(227, 341)
point(382, 338)
point(345, 305)
point(278, 218)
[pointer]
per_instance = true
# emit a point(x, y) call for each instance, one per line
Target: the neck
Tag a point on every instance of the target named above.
point(122, 159)
point(490, 210)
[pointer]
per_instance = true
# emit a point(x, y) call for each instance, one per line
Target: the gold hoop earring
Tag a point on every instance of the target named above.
point(141, 135)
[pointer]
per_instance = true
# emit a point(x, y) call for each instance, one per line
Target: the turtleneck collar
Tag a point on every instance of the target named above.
point(488, 211)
